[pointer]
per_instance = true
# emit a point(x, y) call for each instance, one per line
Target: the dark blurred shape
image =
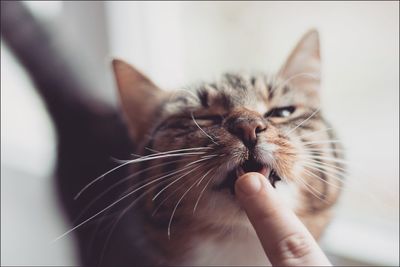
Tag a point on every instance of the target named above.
point(89, 133)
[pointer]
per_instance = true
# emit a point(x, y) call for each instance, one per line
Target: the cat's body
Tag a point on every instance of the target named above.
point(209, 133)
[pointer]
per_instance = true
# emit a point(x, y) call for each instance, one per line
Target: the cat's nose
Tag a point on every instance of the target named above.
point(247, 128)
point(248, 131)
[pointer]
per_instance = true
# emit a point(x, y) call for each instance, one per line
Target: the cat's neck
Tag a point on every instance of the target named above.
point(231, 247)
point(197, 243)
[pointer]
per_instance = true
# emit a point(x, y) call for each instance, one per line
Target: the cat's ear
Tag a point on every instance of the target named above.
point(303, 66)
point(139, 98)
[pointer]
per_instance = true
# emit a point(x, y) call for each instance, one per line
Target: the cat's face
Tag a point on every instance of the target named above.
point(210, 134)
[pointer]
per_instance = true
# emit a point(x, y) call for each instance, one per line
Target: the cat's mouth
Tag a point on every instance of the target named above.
point(248, 166)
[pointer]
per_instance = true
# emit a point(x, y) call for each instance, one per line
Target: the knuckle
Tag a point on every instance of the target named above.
point(294, 247)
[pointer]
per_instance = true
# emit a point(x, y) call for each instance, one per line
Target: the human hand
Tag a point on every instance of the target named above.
point(285, 240)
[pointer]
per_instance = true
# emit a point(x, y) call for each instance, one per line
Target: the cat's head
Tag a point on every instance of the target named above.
point(199, 139)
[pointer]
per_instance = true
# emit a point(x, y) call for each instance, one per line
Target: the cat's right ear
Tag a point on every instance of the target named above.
point(139, 98)
point(303, 66)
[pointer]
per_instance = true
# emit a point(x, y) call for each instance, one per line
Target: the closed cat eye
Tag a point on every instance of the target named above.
point(282, 112)
point(212, 118)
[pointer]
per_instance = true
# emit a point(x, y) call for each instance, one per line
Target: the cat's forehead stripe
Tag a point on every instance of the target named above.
point(203, 96)
point(229, 92)
point(255, 92)
point(237, 82)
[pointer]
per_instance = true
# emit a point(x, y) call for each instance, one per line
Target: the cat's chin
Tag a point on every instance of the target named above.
point(248, 166)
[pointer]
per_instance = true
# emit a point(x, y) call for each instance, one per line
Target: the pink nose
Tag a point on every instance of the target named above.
point(247, 127)
point(248, 131)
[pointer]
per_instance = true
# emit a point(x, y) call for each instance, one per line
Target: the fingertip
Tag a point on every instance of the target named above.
point(249, 184)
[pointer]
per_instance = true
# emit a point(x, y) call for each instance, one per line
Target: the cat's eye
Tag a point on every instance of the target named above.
point(282, 112)
point(215, 119)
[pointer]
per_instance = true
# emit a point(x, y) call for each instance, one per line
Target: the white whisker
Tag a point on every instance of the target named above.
point(321, 142)
point(321, 163)
point(212, 140)
point(110, 206)
point(327, 150)
point(327, 167)
point(171, 194)
point(310, 189)
point(204, 177)
point(176, 150)
point(118, 219)
point(131, 162)
point(176, 180)
point(126, 179)
point(315, 132)
point(325, 171)
point(201, 194)
point(325, 158)
point(176, 206)
point(319, 178)
point(309, 117)
point(158, 156)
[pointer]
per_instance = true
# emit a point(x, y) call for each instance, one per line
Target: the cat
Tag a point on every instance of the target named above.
point(203, 137)
point(198, 140)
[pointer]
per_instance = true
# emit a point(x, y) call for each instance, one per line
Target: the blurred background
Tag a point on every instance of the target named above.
point(177, 43)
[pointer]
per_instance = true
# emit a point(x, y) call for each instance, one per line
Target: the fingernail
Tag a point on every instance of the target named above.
point(250, 184)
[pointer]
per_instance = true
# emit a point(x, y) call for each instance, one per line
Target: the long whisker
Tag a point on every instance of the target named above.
point(323, 164)
point(127, 209)
point(315, 132)
point(319, 178)
point(176, 150)
point(191, 149)
point(321, 142)
point(201, 179)
point(328, 150)
point(121, 215)
point(156, 153)
point(331, 173)
point(323, 167)
point(194, 120)
point(358, 182)
point(130, 162)
point(158, 156)
point(176, 206)
point(304, 121)
point(152, 150)
point(126, 179)
point(201, 194)
point(332, 159)
point(177, 189)
point(179, 178)
point(110, 206)
point(310, 189)
point(170, 195)
point(176, 180)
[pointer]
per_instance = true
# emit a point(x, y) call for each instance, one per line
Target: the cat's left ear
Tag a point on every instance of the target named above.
point(303, 66)
point(139, 96)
